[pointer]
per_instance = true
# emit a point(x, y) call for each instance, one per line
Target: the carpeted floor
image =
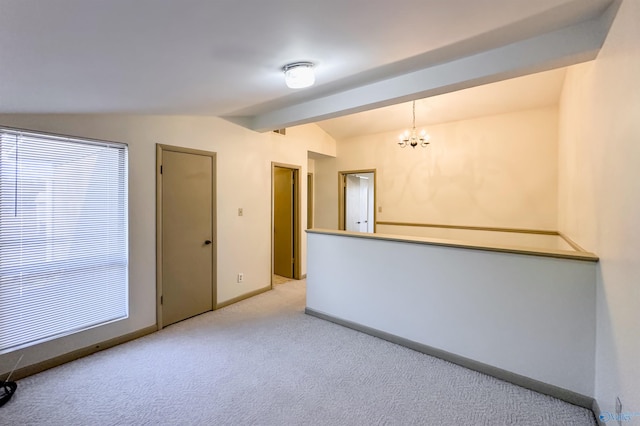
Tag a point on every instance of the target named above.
point(277, 279)
point(264, 362)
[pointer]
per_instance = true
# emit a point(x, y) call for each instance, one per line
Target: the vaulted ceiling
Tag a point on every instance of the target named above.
point(537, 90)
point(224, 57)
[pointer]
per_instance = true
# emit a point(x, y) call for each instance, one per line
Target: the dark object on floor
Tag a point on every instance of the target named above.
point(7, 389)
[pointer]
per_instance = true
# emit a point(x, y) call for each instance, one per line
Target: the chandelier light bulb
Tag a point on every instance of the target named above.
point(299, 75)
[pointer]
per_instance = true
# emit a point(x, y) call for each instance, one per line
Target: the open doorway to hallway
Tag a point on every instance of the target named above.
point(285, 214)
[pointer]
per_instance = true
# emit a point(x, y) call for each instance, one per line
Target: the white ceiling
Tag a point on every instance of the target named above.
point(516, 94)
point(224, 57)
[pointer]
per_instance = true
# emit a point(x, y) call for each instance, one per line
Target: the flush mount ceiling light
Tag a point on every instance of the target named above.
point(411, 138)
point(299, 75)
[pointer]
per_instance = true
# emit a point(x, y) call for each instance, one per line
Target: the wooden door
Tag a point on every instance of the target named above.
point(283, 221)
point(187, 235)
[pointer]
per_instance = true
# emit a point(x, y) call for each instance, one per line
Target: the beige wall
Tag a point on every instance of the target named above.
point(498, 171)
point(243, 180)
point(599, 197)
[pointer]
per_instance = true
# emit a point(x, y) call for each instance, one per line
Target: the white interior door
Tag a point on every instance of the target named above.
point(364, 204)
point(371, 203)
point(352, 204)
point(359, 196)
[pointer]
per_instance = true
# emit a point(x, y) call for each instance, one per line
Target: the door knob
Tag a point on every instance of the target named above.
point(207, 242)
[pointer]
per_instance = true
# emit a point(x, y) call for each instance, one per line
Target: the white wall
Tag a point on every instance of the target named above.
point(599, 197)
point(243, 180)
point(497, 171)
point(529, 315)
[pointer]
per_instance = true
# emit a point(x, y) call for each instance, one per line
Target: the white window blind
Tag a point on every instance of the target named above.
point(63, 236)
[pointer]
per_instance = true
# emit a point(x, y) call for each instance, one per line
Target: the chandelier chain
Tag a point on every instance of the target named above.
point(414, 115)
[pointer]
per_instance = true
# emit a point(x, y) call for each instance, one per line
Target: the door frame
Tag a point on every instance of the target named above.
point(297, 232)
point(310, 203)
point(160, 148)
point(342, 186)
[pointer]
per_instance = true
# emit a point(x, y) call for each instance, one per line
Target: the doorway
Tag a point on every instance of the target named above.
point(285, 220)
point(186, 233)
point(357, 201)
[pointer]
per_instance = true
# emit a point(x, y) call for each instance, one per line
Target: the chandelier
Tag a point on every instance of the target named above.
point(411, 138)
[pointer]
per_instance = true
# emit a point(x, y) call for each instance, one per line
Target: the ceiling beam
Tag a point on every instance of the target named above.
point(566, 46)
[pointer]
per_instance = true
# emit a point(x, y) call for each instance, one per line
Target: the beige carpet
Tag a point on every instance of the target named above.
point(263, 361)
point(277, 279)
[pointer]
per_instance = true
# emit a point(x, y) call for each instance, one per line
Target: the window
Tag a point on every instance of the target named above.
point(63, 236)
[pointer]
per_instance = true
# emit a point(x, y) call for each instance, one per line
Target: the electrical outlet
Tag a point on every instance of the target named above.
point(240, 211)
point(240, 277)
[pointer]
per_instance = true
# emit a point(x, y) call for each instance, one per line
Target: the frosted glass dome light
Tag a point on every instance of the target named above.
point(299, 75)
